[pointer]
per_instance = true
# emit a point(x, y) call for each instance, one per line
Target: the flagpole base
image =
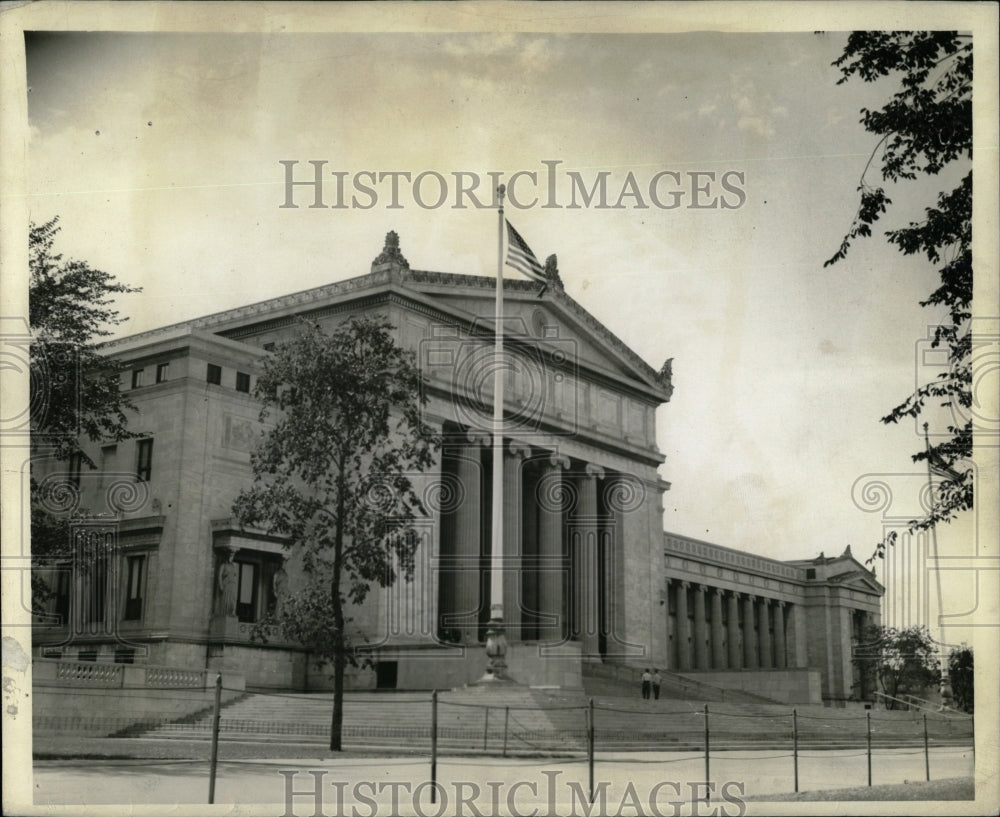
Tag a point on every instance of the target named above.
point(496, 655)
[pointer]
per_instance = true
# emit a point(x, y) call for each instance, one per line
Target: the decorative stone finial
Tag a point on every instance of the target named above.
point(666, 376)
point(390, 258)
point(552, 278)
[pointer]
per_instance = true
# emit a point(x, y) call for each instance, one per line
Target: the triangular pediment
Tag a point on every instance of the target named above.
point(553, 321)
point(858, 580)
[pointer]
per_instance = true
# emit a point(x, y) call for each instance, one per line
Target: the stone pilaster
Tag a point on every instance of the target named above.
point(552, 564)
point(764, 630)
point(468, 534)
point(513, 529)
point(584, 563)
point(700, 630)
point(718, 652)
point(779, 635)
point(683, 628)
point(749, 634)
point(735, 654)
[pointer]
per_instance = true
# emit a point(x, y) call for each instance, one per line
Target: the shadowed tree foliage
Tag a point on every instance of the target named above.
point(333, 476)
point(903, 662)
point(925, 128)
point(74, 390)
point(961, 673)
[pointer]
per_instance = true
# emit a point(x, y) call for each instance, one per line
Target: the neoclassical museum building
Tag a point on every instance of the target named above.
point(165, 575)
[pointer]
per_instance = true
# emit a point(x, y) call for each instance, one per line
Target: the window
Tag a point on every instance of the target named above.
point(75, 466)
point(242, 382)
point(86, 655)
point(124, 655)
point(144, 460)
point(246, 598)
point(137, 378)
point(134, 568)
point(268, 347)
point(161, 371)
point(214, 374)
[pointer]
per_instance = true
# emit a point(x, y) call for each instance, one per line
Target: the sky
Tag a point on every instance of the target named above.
point(161, 155)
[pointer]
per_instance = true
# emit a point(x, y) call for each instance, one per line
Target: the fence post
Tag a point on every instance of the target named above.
point(868, 720)
point(795, 746)
point(215, 738)
point(590, 746)
point(434, 745)
point(706, 746)
point(927, 752)
point(506, 721)
point(486, 728)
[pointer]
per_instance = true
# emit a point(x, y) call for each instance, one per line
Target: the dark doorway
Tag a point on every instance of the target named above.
point(385, 674)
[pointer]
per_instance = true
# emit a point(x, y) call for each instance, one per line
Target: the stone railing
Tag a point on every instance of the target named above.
point(60, 672)
point(87, 673)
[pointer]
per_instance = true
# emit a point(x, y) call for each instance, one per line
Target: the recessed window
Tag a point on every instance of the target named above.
point(161, 371)
point(134, 570)
point(137, 378)
point(144, 460)
point(268, 347)
point(214, 374)
point(246, 600)
point(243, 382)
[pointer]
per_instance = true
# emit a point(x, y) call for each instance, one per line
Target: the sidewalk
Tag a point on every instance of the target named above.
point(370, 785)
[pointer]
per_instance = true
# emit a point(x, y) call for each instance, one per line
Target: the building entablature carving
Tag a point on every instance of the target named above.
point(227, 535)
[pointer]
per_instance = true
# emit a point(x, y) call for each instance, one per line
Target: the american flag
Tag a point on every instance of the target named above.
point(520, 256)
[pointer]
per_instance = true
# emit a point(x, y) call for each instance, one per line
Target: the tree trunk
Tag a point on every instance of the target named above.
point(339, 658)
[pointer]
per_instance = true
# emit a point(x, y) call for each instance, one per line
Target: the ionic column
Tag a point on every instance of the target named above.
point(718, 654)
point(468, 532)
point(735, 655)
point(683, 628)
point(584, 563)
point(764, 628)
point(700, 652)
point(512, 531)
point(550, 549)
point(779, 635)
point(749, 636)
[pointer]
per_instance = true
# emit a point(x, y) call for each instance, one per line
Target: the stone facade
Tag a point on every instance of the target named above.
point(588, 575)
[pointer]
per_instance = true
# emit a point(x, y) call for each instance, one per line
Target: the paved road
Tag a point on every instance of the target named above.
point(369, 787)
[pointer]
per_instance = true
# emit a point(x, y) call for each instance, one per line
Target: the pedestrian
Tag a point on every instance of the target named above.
point(647, 679)
point(656, 684)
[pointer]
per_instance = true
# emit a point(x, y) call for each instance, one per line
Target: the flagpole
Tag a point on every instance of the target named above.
point(496, 642)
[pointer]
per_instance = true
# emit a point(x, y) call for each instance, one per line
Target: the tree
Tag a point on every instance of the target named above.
point(961, 672)
point(332, 475)
point(925, 127)
point(901, 661)
point(74, 390)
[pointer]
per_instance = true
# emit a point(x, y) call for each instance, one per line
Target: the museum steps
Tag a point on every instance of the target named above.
point(519, 720)
point(626, 681)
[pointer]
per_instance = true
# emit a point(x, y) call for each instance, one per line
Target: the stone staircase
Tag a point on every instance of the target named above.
point(519, 720)
point(625, 680)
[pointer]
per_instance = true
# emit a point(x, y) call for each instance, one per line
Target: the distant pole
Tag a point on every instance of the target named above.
point(795, 746)
point(434, 745)
point(868, 719)
point(706, 746)
point(215, 738)
point(486, 728)
point(506, 722)
point(590, 746)
point(927, 752)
